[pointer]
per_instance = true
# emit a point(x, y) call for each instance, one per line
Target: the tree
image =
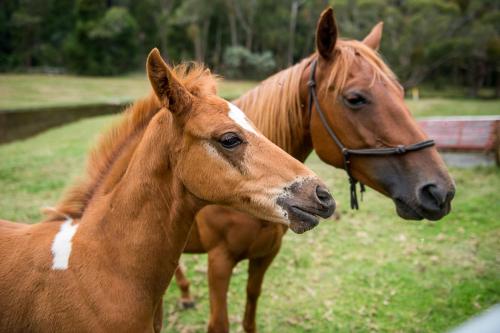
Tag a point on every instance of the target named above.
point(102, 44)
point(437, 41)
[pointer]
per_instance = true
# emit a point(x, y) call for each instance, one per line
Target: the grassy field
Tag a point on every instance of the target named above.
point(31, 91)
point(452, 107)
point(368, 272)
point(21, 91)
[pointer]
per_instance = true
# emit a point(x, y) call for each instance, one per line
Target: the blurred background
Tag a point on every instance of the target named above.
point(440, 43)
point(370, 271)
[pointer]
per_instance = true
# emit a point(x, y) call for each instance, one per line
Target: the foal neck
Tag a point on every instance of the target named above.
point(139, 225)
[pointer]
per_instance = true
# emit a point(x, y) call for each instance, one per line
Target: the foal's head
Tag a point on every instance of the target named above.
point(364, 105)
point(220, 157)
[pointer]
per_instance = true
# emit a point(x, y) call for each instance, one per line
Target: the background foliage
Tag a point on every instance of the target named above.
point(443, 42)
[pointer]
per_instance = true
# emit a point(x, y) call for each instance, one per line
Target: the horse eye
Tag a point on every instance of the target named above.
point(230, 140)
point(354, 100)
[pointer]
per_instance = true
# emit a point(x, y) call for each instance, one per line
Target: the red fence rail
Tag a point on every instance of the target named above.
point(479, 133)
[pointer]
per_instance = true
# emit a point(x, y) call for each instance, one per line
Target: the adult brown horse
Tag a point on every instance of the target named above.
point(362, 106)
point(102, 261)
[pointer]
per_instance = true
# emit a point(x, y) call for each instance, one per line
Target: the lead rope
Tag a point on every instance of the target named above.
point(352, 184)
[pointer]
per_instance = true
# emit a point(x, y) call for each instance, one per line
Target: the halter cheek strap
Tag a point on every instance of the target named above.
point(347, 152)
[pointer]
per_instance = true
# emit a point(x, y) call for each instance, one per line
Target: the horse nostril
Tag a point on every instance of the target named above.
point(324, 197)
point(432, 195)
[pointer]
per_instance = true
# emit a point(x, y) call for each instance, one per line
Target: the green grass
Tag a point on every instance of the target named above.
point(368, 272)
point(442, 90)
point(24, 91)
point(452, 107)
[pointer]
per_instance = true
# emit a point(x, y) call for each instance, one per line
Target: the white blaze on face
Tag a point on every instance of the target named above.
point(240, 118)
point(61, 247)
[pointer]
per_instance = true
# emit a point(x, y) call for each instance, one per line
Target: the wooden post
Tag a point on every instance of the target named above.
point(415, 94)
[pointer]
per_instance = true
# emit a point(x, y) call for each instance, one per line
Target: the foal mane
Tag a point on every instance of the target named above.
point(275, 107)
point(198, 81)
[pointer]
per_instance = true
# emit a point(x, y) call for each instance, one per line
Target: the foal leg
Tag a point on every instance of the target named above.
point(220, 268)
point(186, 300)
point(256, 270)
point(158, 318)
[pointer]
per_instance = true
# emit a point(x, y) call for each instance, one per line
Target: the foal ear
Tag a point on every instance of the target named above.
point(326, 34)
point(166, 86)
point(374, 37)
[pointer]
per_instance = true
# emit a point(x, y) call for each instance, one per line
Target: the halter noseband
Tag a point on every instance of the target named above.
point(347, 152)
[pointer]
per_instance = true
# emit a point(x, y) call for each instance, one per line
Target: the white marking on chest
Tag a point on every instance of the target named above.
point(240, 118)
point(61, 246)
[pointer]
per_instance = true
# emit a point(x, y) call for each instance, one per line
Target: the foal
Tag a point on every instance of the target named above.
point(102, 261)
point(364, 106)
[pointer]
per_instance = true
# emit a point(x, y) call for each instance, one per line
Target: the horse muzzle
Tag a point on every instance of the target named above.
point(304, 202)
point(432, 201)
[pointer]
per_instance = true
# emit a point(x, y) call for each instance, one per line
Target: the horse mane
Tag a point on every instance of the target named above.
point(275, 107)
point(132, 124)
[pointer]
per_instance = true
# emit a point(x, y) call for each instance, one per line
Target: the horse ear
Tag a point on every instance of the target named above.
point(166, 86)
point(374, 37)
point(326, 33)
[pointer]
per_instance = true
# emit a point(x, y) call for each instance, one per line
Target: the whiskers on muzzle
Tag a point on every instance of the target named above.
point(304, 201)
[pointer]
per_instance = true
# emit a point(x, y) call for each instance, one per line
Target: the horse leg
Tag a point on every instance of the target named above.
point(158, 318)
point(256, 270)
point(186, 300)
point(220, 268)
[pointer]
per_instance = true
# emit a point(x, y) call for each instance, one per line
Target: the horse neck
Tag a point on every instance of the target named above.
point(140, 225)
point(301, 140)
point(307, 146)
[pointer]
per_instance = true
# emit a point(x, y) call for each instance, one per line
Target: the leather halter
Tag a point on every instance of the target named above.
point(347, 152)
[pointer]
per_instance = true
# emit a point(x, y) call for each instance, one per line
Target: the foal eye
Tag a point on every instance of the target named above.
point(230, 140)
point(354, 100)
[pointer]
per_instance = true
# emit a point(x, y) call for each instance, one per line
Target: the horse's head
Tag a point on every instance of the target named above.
point(220, 157)
point(364, 105)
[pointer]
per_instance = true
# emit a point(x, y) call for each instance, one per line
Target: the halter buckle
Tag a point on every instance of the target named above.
point(401, 149)
point(311, 83)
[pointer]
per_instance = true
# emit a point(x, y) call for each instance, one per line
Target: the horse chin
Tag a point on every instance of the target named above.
point(301, 220)
point(408, 211)
point(303, 226)
point(297, 219)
